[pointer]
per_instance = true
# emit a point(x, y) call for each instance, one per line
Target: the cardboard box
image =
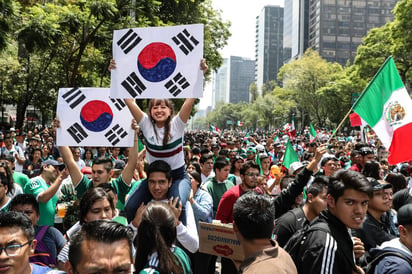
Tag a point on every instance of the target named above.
point(219, 240)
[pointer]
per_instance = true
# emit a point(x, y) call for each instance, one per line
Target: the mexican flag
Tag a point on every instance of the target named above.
point(239, 123)
point(387, 108)
point(290, 155)
point(214, 129)
point(312, 132)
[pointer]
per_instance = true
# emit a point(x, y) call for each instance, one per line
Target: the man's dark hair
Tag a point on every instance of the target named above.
point(254, 216)
point(18, 219)
point(160, 166)
point(372, 169)
point(89, 198)
point(327, 159)
point(108, 187)
point(246, 165)
point(106, 162)
point(348, 179)
point(220, 163)
point(204, 158)
point(318, 185)
point(104, 231)
point(24, 199)
point(285, 181)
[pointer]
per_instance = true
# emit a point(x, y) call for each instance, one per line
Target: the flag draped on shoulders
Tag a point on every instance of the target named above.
point(387, 108)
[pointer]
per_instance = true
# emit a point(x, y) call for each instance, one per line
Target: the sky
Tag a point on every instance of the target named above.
point(242, 15)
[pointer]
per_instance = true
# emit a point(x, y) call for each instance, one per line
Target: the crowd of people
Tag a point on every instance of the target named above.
point(339, 208)
point(335, 187)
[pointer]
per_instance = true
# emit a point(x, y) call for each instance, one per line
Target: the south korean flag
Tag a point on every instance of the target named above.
point(89, 117)
point(158, 62)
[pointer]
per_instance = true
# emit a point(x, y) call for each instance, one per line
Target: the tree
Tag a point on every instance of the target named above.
point(304, 78)
point(253, 91)
point(68, 43)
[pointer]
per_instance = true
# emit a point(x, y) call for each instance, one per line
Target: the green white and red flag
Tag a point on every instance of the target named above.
point(386, 107)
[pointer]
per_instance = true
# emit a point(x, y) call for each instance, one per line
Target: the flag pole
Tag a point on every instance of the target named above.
point(340, 125)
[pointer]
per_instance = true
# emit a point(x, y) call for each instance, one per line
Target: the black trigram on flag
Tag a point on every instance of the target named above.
point(133, 85)
point(177, 84)
point(74, 97)
point(118, 103)
point(115, 134)
point(185, 41)
point(77, 132)
point(129, 41)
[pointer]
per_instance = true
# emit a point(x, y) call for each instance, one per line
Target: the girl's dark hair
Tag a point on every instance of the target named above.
point(157, 232)
point(196, 176)
point(7, 178)
point(196, 165)
point(169, 104)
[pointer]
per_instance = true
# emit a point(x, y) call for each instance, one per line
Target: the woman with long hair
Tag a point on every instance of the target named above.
point(155, 251)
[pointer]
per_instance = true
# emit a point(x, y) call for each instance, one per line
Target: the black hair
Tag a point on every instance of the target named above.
point(196, 165)
point(254, 215)
point(196, 176)
point(89, 198)
point(108, 187)
point(204, 158)
point(397, 181)
point(285, 181)
point(160, 166)
point(25, 199)
point(220, 163)
point(17, 219)
point(157, 232)
point(318, 185)
point(327, 159)
point(372, 169)
point(348, 179)
point(6, 179)
point(104, 231)
point(248, 164)
point(106, 162)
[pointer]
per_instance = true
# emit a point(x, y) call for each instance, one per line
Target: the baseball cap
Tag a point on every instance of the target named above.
point(366, 151)
point(295, 167)
point(251, 149)
point(405, 215)
point(376, 185)
point(53, 163)
point(119, 165)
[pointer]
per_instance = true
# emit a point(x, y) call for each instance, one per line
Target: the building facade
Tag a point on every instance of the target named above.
point(295, 29)
point(336, 27)
point(269, 45)
point(232, 80)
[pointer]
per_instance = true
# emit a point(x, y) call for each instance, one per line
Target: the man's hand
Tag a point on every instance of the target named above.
point(176, 206)
point(358, 247)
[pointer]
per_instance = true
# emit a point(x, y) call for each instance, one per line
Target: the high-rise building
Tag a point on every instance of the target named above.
point(336, 27)
point(295, 29)
point(232, 80)
point(269, 44)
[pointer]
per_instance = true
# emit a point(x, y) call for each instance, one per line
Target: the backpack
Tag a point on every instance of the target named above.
point(41, 254)
point(370, 267)
point(293, 246)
